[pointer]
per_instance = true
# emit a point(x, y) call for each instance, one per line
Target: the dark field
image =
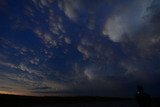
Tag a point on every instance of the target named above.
point(25, 101)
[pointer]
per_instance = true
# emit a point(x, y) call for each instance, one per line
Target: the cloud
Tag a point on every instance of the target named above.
point(43, 3)
point(55, 23)
point(22, 67)
point(94, 59)
point(91, 23)
point(92, 79)
point(89, 73)
point(35, 61)
point(71, 8)
point(3, 87)
point(67, 40)
point(142, 51)
point(27, 82)
point(42, 88)
point(50, 88)
point(54, 28)
point(8, 64)
point(119, 23)
point(7, 44)
point(18, 83)
point(92, 48)
point(83, 51)
point(47, 38)
point(138, 57)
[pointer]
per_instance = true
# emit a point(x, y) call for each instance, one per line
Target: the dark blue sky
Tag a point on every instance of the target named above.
point(79, 47)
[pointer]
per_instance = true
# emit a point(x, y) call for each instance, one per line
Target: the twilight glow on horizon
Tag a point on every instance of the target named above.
point(79, 47)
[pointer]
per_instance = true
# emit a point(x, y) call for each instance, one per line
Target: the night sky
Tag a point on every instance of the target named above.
point(79, 47)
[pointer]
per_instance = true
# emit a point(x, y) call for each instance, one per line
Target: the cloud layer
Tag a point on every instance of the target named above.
point(78, 47)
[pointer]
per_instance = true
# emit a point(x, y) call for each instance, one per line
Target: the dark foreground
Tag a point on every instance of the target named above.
point(25, 101)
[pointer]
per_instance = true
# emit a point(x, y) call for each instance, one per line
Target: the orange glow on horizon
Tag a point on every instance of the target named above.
point(5, 92)
point(21, 94)
point(10, 93)
point(29, 94)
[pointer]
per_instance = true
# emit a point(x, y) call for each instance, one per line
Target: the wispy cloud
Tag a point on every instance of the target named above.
point(50, 36)
point(46, 37)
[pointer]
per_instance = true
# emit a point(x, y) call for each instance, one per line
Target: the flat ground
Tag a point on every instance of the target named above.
point(85, 101)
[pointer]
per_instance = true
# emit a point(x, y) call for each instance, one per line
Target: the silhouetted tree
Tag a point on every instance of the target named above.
point(142, 98)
